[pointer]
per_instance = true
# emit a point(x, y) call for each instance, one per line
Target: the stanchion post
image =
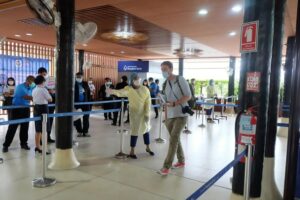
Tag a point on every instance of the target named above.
point(248, 167)
point(186, 130)
point(122, 131)
point(202, 125)
point(44, 181)
point(160, 139)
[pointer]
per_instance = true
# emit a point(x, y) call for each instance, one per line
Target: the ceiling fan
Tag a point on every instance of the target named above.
point(188, 52)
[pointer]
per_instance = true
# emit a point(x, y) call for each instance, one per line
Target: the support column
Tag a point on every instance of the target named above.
point(64, 157)
point(288, 67)
point(81, 60)
point(293, 136)
point(232, 61)
point(181, 61)
point(260, 61)
point(269, 187)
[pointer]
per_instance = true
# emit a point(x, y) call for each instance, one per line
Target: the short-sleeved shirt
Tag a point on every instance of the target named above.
point(157, 90)
point(173, 112)
point(153, 89)
point(21, 91)
point(40, 95)
point(81, 92)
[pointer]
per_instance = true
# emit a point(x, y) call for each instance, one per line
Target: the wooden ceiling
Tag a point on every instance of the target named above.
point(169, 25)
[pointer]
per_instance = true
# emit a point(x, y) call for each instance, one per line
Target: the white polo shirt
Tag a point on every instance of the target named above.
point(40, 95)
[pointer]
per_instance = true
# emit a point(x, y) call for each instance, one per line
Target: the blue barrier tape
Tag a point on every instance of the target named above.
point(76, 104)
point(213, 104)
point(283, 124)
point(69, 114)
point(19, 121)
point(214, 179)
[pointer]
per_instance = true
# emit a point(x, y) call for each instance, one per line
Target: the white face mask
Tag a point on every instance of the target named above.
point(90, 82)
point(137, 82)
point(11, 82)
point(79, 80)
point(165, 74)
point(46, 76)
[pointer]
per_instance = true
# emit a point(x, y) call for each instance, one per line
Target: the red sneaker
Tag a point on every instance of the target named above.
point(164, 171)
point(178, 165)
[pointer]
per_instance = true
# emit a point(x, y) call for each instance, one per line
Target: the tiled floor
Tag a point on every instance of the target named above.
point(101, 176)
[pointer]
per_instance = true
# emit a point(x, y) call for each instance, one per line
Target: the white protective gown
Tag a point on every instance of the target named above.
point(139, 108)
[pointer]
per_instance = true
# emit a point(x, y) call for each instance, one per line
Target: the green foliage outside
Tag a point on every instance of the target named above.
point(221, 87)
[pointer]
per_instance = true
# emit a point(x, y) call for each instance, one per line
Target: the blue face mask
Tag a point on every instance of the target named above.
point(165, 75)
point(32, 85)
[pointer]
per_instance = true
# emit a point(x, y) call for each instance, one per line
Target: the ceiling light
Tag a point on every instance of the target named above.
point(232, 33)
point(85, 45)
point(236, 8)
point(203, 12)
point(16, 35)
point(29, 34)
point(112, 52)
point(122, 52)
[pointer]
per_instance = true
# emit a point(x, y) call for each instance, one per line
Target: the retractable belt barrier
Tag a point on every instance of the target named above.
point(44, 181)
point(198, 193)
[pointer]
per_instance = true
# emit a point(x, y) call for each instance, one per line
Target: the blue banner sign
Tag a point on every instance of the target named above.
point(133, 66)
point(20, 67)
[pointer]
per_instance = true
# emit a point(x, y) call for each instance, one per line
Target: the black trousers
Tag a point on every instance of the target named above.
point(116, 114)
point(155, 109)
point(19, 113)
point(83, 128)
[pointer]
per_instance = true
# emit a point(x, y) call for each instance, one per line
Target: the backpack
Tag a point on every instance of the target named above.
point(191, 102)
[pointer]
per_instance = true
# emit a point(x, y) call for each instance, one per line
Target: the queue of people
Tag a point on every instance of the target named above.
point(176, 93)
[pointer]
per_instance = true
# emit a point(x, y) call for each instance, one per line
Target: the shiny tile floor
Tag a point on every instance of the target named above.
point(101, 176)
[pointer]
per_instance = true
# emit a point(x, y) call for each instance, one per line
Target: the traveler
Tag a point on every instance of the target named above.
point(8, 93)
point(176, 94)
point(139, 108)
point(41, 98)
point(120, 86)
point(106, 97)
point(145, 83)
point(92, 89)
point(153, 92)
point(43, 72)
point(22, 97)
point(82, 94)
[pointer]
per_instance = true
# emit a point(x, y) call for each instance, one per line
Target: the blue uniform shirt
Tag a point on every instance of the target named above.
point(153, 89)
point(21, 91)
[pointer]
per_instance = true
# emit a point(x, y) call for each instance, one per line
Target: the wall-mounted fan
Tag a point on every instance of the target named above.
point(85, 32)
point(43, 10)
point(87, 65)
point(46, 12)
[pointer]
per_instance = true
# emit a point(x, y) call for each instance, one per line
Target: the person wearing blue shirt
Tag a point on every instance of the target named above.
point(82, 94)
point(22, 97)
point(153, 92)
point(157, 89)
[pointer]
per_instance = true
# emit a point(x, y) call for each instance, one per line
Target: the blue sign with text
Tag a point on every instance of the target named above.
point(133, 66)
